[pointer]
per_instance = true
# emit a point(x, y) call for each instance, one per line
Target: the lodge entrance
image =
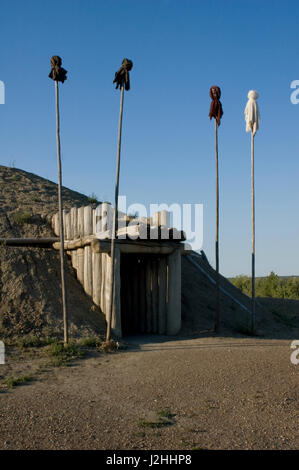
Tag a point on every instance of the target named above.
point(143, 286)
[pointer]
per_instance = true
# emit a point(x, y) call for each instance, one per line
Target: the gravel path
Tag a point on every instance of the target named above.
point(206, 393)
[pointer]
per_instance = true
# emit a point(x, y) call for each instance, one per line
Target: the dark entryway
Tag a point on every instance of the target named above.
point(143, 293)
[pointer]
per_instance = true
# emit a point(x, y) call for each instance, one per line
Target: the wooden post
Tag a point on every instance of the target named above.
point(108, 276)
point(81, 222)
point(162, 295)
point(96, 277)
point(94, 218)
point(62, 254)
point(105, 223)
point(103, 284)
point(156, 219)
point(253, 236)
point(67, 224)
point(142, 296)
point(164, 218)
point(148, 287)
point(56, 227)
point(64, 212)
point(114, 224)
point(164, 223)
point(128, 286)
point(155, 295)
point(87, 226)
point(87, 280)
point(98, 219)
point(71, 229)
point(74, 222)
point(217, 313)
point(135, 297)
point(87, 221)
point(74, 255)
point(116, 311)
point(80, 265)
point(174, 293)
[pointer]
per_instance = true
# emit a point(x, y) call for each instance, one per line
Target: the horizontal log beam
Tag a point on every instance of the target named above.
point(99, 246)
point(34, 242)
point(75, 244)
point(127, 246)
point(145, 232)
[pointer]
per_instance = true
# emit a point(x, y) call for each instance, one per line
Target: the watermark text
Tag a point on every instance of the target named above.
point(2, 92)
point(295, 353)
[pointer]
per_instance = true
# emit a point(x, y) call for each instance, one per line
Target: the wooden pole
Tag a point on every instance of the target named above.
point(61, 233)
point(217, 313)
point(114, 223)
point(253, 236)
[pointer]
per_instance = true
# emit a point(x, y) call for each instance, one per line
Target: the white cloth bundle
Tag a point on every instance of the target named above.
point(252, 115)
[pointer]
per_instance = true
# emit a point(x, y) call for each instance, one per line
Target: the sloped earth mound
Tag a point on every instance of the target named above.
point(30, 296)
point(275, 318)
point(30, 277)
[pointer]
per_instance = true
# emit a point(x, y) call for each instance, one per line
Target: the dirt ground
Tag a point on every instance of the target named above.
point(204, 393)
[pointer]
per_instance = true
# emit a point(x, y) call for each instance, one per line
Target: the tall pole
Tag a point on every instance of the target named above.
point(252, 118)
point(62, 255)
point(217, 316)
point(253, 236)
point(115, 212)
point(216, 112)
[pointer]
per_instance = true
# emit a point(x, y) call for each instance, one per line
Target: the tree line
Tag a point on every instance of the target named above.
point(269, 286)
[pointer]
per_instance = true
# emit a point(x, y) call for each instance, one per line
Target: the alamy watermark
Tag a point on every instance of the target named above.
point(2, 92)
point(2, 353)
point(295, 94)
point(295, 353)
point(160, 217)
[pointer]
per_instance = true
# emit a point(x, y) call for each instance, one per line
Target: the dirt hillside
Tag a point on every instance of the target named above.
point(275, 318)
point(30, 277)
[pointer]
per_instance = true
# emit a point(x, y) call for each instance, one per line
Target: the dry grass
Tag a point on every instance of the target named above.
point(12, 382)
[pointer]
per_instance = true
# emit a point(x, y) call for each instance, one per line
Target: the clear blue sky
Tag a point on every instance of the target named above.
point(179, 49)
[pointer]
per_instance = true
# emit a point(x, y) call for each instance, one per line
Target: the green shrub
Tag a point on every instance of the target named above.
point(61, 354)
point(165, 418)
point(165, 414)
point(30, 342)
point(22, 217)
point(12, 382)
point(93, 199)
point(91, 342)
